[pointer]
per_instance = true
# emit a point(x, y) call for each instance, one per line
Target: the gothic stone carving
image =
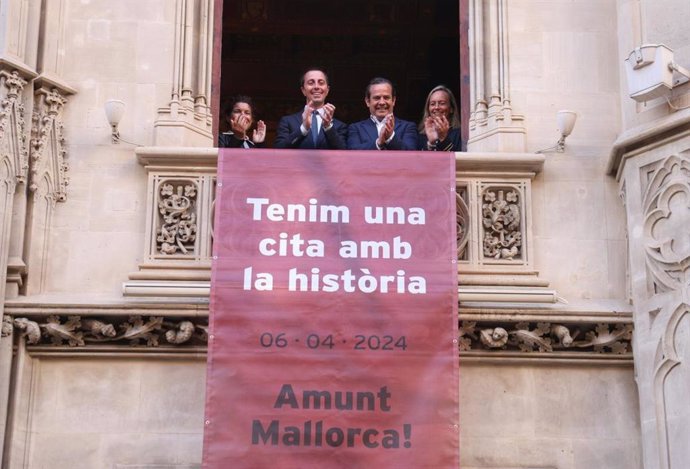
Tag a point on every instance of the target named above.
point(666, 203)
point(670, 359)
point(177, 228)
point(545, 337)
point(13, 146)
point(502, 223)
point(130, 331)
point(463, 222)
point(48, 166)
point(154, 332)
point(6, 326)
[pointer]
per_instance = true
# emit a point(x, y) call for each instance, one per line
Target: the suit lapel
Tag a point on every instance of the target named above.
point(371, 130)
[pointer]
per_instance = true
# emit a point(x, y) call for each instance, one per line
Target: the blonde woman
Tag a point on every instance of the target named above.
point(439, 129)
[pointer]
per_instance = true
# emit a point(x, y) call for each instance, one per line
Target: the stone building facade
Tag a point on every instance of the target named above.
point(574, 331)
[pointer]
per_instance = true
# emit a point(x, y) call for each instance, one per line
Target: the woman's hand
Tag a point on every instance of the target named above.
point(430, 130)
point(259, 135)
point(442, 126)
point(240, 125)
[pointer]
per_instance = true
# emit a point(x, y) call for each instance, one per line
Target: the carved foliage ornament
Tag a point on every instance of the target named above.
point(666, 205)
point(76, 331)
point(159, 331)
point(463, 224)
point(48, 145)
point(545, 337)
point(502, 223)
point(177, 227)
point(13, 146)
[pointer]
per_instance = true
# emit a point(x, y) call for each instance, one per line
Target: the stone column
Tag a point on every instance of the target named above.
point(655, 187)
point(13, 176)
point(493, 124)
point(187, 120)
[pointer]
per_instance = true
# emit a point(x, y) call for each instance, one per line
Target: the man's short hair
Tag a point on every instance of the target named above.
point(313, 69)
point(379, 81)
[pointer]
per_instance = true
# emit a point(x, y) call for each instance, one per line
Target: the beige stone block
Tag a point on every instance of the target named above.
point(58, 450)
point(571, 168)
point(666, 21)
point(616, 222)
point(526, 60)
point(103, 58)
point(575, 210)
point(577, 269)
point(517, 453)
point(595, 453)
point(562, 15)
point(600, 403)
point(94, 396)
point(118, 207)
point(511, 401)
point(172, 396)
point(71, 269)
point(124, 10)
point(141, 448)
point(617, 254)
point(154, 59)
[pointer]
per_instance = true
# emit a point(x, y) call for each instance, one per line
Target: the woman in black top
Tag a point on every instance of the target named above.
point(240, 116)
point(439, 129)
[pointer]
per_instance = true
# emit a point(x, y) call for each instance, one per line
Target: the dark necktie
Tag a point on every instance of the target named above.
point(314, 128)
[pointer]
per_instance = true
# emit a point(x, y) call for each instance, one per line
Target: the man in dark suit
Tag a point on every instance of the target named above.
point(314, 127)
point(382, 131)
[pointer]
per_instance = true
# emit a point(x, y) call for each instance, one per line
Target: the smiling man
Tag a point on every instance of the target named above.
point(382, 131)
point(314, 127)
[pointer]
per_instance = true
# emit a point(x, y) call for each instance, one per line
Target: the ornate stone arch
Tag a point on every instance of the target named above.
point(666, 206)
point(668, 363)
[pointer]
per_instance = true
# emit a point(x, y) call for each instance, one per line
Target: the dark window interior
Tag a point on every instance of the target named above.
point(267, 44)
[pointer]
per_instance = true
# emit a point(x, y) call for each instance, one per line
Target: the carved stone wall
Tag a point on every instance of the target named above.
point(13, 174)
point(14, 165)
point(187, 120)
point(48, 183)
point(655, 183)
point(494, 126)
point(495, 244)
point(179, 232)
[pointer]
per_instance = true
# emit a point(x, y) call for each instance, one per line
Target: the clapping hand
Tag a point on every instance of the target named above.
point(240, 125)
point(430, 129)
point(436, 128)
point(386, 130)
point(442, 126)
point(328, 111)
point(307, 115)
point(259, 135)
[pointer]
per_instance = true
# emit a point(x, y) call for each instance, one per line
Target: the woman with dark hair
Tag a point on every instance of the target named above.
point(239, 114)
point(439, 129)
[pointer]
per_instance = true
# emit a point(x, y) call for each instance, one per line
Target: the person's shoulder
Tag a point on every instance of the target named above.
point(362, 122)
point(296, 115)
point(407, 125)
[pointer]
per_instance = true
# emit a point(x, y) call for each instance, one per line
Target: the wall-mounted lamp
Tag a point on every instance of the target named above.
point(566, 123)
point(114, 110)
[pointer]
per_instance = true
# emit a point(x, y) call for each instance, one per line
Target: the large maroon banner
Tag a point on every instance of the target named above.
point(333, 330)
